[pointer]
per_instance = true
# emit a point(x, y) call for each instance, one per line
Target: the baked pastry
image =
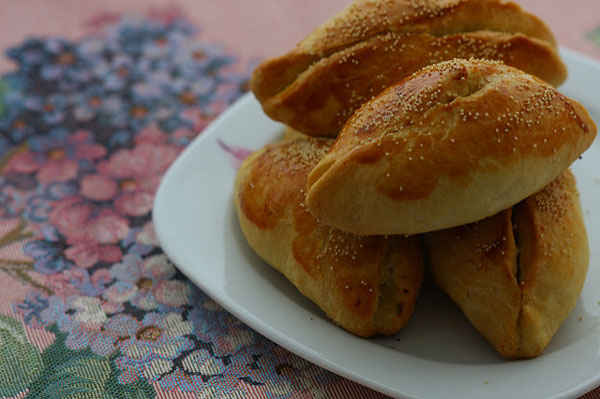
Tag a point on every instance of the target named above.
point(367, 285)
point(518, 274)
point(456, 142)
point(373, 44)
point(289, 133)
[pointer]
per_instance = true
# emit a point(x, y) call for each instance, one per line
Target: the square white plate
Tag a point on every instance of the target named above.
point(438, 355)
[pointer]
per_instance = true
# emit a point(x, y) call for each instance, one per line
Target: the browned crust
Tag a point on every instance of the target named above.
point(367, 285)
point(373, 44)
point(517, 275)
point(454, 143)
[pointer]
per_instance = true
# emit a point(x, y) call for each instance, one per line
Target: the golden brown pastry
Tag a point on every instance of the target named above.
point(367, 285)
point(289, 134)
point(454, 143)
point(516, 275)
point(373, 44)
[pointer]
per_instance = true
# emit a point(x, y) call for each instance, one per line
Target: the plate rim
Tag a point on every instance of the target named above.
point(258, 324)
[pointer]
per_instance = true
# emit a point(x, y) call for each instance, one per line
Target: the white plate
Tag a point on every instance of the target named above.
point(438, 355)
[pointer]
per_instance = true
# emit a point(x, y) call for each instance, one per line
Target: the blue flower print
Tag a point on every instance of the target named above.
point(137, 280)
point(48, 256)
point(149, 353)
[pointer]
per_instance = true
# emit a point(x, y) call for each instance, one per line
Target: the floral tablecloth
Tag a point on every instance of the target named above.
point(90, 307)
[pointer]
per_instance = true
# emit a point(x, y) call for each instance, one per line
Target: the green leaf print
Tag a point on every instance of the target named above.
point(20, 361)
point(594, 36)
point(81, 377)
point(82, 374)
point(4, 89)
point(137, 390)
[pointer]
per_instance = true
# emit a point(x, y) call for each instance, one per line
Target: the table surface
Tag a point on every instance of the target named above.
point(96, 100)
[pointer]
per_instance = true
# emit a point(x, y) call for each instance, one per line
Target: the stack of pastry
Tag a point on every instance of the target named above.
point(448, 149)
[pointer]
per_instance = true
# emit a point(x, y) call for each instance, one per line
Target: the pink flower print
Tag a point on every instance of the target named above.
point(57, 167)
point(85, 255)
point(91, 233)
point(238, 154)
point(151, 134)
point(98, 187)
point(147, 235)
point(234, 340)
point(61, 158)
point(98, 22)
point(166, 14)
point(183, 136)
point(198, 118)
point(22, 162)
point(136, 173)
point(81, 224)
point(61, 283)
point(56, 159)
point(84, 147)
point(173, 293)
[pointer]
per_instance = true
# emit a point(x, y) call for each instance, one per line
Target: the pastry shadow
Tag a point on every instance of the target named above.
point(437, 330)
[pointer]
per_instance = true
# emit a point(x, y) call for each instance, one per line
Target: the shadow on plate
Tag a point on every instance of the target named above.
point(437, 331)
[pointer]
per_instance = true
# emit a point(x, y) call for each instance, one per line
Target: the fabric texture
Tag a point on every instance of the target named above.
point(90, 307)
point(88, 129)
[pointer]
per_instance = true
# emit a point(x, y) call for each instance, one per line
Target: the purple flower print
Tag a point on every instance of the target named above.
point(82, 318)
point(50, 109)
point(134, 244)
point(138, 281)
point(215, 325)
point(87, 104)
point(198, 371)
point(65, 63)
point(31, 308)
point(152, 87)
point(91, 127)
point(40, 203)
point(115, 73)
point(47, 256)
point(88, 284)
point(65, 150)
point(56, 157)
point(149, 353)
point(54, 63)
point(54, 167)
point(192, 57)
point(79, 144)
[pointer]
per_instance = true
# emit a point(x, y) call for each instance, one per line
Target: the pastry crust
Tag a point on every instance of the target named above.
point(517, 275)
point(367, 285)
point(373, 44)
point(454, 143)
